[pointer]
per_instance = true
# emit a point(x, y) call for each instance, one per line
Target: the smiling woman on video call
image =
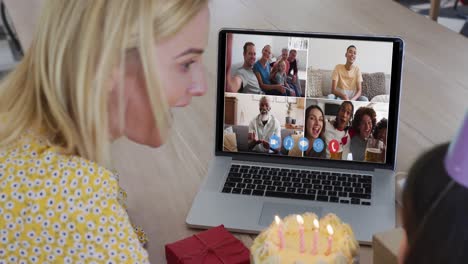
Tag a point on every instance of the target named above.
point(96, 71)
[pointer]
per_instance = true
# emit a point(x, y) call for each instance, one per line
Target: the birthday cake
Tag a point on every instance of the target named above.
point(298, 240)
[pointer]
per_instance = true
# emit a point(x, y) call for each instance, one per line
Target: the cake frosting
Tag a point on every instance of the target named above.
point(344, 250)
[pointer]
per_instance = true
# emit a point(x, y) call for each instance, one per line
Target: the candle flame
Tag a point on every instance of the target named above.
point(299, 219)
point(277, 220)
point(330, 230)
point(316, 223)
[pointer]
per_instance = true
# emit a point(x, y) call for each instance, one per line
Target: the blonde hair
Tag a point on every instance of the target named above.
point(62, 83)
point(281, 62)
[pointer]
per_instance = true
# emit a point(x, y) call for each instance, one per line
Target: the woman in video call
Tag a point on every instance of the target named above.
point(314, 129)
point(380, 133)
point(338, 130)
point(347, 79)
point(363, 124)
point(262, 70)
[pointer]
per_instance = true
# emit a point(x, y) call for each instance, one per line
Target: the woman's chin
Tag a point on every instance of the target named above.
point(365, 135)
point(150, 142)
point(154, 143)
point(151, 139)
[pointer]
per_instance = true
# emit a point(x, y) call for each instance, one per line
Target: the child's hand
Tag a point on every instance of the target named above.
point(291, 92)
point(281, 89)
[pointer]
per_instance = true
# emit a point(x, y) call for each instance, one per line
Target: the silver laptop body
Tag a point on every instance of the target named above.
point(253, 213)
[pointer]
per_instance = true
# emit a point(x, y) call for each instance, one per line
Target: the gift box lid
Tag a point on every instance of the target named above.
point(215, 245)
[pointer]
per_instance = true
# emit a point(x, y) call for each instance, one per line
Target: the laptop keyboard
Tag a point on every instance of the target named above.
point(323, 186)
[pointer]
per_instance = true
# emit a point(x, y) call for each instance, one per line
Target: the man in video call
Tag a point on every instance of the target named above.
point(293, 78)
point(244, 77)
point(262, 128)
point(347, 79)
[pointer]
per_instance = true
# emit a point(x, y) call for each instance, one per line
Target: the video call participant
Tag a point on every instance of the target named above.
point(245, 78)
point(262, 128)
point(315, 129)
point(380, 133)
point(364, 122)
point(293, 78)
point(284, 57)
point(262, 70)
point(280, 75)
point(338, 130)
point(275, 69)
point(347, 79)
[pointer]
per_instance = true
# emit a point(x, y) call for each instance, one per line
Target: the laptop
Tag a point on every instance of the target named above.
point(294, 150)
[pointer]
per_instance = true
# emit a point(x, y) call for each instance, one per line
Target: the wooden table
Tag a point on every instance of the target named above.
point(161, 183)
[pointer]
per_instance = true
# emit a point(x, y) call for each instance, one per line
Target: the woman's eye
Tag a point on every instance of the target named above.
point(186, 66)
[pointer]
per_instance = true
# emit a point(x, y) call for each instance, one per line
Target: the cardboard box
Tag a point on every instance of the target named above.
point(386, 246)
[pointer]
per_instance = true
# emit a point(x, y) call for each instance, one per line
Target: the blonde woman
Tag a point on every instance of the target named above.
point(89, 78)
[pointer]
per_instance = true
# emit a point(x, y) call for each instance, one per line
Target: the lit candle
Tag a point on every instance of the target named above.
point(330, 239)
point(315, 242)
point(300, 221)
point(280, 231)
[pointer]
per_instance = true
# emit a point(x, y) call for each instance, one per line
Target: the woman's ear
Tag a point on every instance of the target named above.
point(403, 249)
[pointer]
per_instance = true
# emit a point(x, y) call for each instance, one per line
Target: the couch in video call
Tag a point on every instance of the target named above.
point(375, 86)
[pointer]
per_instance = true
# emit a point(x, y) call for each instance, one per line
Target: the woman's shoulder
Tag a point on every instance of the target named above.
point(67, 193)
point(256, 66)
point(39, 158)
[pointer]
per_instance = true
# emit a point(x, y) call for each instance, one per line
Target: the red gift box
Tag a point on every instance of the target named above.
point(212, 246)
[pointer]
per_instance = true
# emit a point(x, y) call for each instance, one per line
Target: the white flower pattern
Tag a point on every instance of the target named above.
point(61, 208)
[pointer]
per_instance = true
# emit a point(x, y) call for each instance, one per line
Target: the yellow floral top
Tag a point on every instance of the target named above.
point(61, 209)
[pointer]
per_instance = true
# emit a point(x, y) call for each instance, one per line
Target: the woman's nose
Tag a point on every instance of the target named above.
point(198, 89)
point(199, 86)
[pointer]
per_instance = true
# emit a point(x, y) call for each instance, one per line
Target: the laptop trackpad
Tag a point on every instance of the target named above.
point(270, 209)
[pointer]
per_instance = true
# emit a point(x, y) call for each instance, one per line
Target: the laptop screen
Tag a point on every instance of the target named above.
point(307, 97)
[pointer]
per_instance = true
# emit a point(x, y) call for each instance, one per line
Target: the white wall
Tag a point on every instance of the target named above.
point(301, 58)
point(282, 42)
point(276, 43)
point(248, 109)
point(371, 56)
